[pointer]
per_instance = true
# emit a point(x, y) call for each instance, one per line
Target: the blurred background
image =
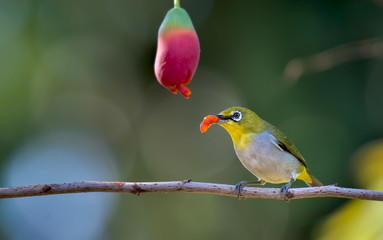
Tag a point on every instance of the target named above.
point(79, 101)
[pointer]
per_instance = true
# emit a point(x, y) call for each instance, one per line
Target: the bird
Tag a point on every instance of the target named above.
point(262, 148)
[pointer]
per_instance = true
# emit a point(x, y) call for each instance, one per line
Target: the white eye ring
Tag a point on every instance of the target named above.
point(236, 116)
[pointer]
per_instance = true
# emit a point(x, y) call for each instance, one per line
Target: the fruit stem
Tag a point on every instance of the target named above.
point(177, 3)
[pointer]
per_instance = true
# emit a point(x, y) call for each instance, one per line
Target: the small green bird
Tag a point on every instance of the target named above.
point(262, 148)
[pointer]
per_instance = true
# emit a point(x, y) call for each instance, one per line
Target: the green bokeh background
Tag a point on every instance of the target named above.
point(87, 66)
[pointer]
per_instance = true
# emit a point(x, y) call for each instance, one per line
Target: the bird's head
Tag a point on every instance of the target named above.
point(238, 122)
point(239, 119)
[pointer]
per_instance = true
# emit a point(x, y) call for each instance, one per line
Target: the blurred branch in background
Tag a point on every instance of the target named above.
point(379, 3)
point(368, 48)
point(188, 186)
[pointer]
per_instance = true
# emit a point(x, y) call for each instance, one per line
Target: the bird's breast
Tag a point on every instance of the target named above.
point(261, 156)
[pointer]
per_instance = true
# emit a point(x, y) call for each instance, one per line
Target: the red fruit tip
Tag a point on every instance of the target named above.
point(185, 91)
point(173, 89)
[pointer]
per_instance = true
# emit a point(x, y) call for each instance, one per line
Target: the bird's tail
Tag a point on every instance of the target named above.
point(314, 182)
point(309, 179)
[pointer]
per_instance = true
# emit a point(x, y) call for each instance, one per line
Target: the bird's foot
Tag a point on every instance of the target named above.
point(239, 187)
point(285, 188)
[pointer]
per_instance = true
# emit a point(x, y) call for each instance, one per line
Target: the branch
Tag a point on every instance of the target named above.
point(188, 186)
point(368, 48)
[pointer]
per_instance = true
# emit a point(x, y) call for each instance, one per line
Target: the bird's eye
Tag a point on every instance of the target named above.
point(236, 116)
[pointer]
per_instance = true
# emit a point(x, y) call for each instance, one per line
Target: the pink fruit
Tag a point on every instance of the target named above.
point(177, 52)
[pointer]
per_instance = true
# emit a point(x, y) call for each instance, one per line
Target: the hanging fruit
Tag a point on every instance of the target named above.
point(177, 51)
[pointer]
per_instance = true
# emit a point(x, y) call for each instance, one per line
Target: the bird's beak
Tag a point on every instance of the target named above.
point(222, 118)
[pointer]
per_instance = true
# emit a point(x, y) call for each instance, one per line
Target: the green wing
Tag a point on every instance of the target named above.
point(285, 144)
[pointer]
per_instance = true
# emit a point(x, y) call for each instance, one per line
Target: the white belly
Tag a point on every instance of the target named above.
point(266, 161)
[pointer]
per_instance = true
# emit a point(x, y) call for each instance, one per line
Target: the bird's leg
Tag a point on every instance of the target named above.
point(239, 186)
point(286, 187)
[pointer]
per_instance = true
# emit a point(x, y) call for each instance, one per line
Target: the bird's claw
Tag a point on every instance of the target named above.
point(239, 187)
point(286, 193)
point(284, 190)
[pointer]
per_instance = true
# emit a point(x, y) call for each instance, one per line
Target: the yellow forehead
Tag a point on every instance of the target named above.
point(229, 111)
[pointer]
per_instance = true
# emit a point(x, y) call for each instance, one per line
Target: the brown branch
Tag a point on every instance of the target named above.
point(187, 186)
point(368, 48)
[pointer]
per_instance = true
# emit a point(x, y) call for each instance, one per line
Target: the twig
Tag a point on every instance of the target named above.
point(368, 48)
point(187, 186)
